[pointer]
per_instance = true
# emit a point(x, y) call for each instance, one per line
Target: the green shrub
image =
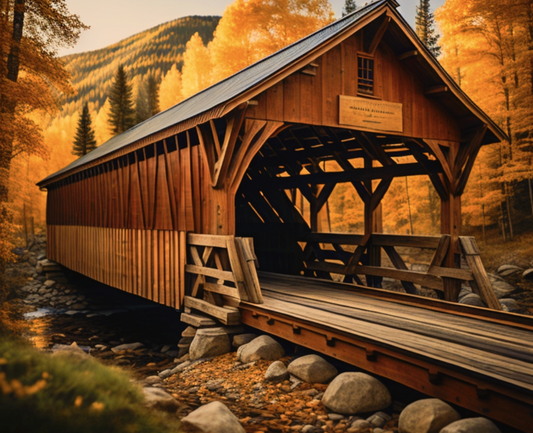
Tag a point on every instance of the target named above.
point(42, 393)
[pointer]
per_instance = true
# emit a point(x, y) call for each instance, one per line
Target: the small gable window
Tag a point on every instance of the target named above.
point(365, 75)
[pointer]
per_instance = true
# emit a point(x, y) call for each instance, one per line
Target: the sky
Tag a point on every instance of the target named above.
point(114, 20)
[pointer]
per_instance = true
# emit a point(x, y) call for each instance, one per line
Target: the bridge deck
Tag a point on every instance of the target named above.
point(481, 361)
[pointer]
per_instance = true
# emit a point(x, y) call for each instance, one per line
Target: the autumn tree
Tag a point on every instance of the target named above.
point(252, 29)
point(491, 44)
point(349, 7)
point(196, 71)
point(84, 140)
point(122, 111)
point(147, 102)
point(31, 31)
point(425, 27)
point(170, 90)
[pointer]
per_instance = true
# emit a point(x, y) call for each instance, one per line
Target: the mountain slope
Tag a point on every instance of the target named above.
point(153, 51)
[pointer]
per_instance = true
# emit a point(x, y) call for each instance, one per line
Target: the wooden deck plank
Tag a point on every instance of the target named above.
point(473, 360)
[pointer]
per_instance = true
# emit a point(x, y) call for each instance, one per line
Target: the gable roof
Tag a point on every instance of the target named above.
point(213, 101)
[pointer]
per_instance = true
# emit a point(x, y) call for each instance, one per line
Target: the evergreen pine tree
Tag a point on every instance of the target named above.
point(121, 112)
point(84, 140)
point(147, 102)
point(349, 7)
point(425, 27)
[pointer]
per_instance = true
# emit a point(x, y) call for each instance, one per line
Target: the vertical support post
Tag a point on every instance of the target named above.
point(373, 223)
point(451, 225)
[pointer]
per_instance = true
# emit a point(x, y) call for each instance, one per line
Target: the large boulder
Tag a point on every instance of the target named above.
point(214, 417)
point(351, 393)
point(312, 369)
point(276, 372)
point(209, 342)
point(263, 347)
point(159, 399)
point(429, 415)
point(471, 425)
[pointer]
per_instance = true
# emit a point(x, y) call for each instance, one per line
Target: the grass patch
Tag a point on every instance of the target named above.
point(43, 393)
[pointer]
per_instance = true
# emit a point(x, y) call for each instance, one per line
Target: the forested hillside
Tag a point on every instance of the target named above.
point(152, 52)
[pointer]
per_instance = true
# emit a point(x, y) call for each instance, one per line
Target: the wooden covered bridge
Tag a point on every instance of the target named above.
point(181, 209)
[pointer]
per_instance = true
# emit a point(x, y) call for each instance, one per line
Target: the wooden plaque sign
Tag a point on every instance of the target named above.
point(370, 114)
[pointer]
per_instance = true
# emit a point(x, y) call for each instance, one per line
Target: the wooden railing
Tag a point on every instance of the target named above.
point(331, 253)
point(222, 266)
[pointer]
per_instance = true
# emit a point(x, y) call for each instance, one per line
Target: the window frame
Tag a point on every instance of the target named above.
point(372, 86)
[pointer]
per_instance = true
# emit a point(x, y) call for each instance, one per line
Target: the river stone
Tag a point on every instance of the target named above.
point(472, 299)
point(528, 274)
point(276, 372)
point(263, 347)
point(189, 332)
point(505, 270)
point(379, 419)
point(501, 287)
point(159, 399)
point(471, 425)
point(240, 339)
point(360, 426)
point(312, 369)
point(49, 283)
point(213, 417)
point(127, 346)
point(209, 342)
point(510, 304)
point(351, 393)
point(429, 415)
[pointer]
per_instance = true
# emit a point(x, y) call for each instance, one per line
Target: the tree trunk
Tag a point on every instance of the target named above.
point(409, 206)
point(7, 105)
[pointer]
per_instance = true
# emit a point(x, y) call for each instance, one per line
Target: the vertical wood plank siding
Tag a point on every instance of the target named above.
point(141, 262)
point(314, 100)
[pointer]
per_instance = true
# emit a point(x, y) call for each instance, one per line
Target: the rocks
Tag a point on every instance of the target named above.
point(472, 299)
point(159, 399)
point(505, 270)
point(211, 418)
point(429, 415)
point(510, 304)
point(263, 347)
point(528, 274)
point(128, 346)
point(379, 419)
point(209, 342)
point(49, 283)
point(360, 426)
point(152, 380)
point(190, 331)
point(351, 393)
point(241, 339)
point(277, 372)
point(70, 350)
point(312, 369)
point(471, 425)
point(501, 288)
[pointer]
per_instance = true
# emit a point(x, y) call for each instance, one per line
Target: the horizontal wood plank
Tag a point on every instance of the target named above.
point(209, 272)
point(225, 315)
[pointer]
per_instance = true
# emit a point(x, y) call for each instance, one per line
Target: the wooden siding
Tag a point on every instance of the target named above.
point(314, 100)
point(147, 263)
point(156, 188)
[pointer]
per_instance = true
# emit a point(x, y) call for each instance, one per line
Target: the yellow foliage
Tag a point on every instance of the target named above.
point(170, 89)
point(196, 72)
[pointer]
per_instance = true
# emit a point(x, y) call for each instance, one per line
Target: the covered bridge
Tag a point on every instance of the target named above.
point(181, 208)
point(231, 160)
